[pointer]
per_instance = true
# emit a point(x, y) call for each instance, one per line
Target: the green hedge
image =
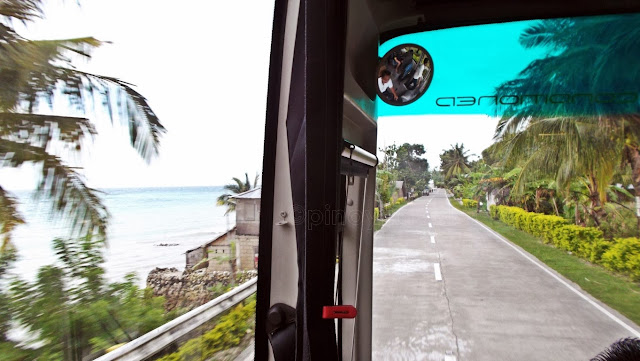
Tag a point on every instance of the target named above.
point(540, 225)
point(624, 256)
point(621, 255)
point(469, 203)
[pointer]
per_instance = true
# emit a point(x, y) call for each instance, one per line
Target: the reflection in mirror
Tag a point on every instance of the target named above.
point(404, 74)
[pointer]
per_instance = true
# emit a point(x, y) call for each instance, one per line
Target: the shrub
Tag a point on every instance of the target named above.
point(540, 225)
point(493, 211)
point(469, 203)
point(598, 248)
point(376, 213)
point(576, 239)
point(228, 332)
point(401, 201)
point(623, 256)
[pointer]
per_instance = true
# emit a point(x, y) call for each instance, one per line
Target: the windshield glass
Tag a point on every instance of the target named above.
point(530, 129)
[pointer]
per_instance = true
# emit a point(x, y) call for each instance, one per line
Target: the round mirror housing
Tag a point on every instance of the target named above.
point(404, 74)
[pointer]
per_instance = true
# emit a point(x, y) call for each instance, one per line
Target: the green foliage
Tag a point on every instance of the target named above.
point(455, 161)
point(624, 256)
point(234, 188)
point(577, 239)
point(74, 311)
point(469, 203)
point(385, 185)
point(493, 212)
point(539, 225)
point(376, 213)
point(400, 201)
point(11, 351)
point(404, 163)
point(219, 289)
point(227, 333)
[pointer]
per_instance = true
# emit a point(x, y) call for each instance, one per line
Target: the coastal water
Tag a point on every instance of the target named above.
point(142, 221)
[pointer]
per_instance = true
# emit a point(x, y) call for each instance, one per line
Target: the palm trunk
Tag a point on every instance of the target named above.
point(633, 157)
point(555, 206)
point(597, 211)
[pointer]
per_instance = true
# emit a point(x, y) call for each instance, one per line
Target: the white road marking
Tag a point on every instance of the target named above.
point(433, 239)
point(428, 216)
point(583, 296)
point(430, 225)
point(436, 270)
point(449, 358)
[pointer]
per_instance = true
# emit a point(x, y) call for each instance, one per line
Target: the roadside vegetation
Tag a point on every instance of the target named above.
point(391, 208)
point(402, 175)
point(230, 331)
point(69, 311)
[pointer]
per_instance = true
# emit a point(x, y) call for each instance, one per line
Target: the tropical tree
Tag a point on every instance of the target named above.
point(454, 161)
point(32, 74)
point(234, 188)
point(591, 58)
point(406, 163)
point(566, 150)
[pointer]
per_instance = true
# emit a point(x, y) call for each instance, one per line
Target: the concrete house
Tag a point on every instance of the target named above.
point(218, 254)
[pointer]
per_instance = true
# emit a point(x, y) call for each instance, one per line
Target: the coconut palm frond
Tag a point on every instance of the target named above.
point(39, 71)
point(70, 197)
point(236, 187)
point(10, 218)
point(545, 33)
point(23, 10)
point(39, 130)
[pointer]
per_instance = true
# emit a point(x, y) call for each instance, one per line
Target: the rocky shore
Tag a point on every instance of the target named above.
point(190, 289)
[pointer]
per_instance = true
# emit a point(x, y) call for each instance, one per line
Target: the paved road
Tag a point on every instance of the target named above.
point(490, 303)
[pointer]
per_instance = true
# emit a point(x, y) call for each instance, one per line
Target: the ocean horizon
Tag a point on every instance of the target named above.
point(150, 227)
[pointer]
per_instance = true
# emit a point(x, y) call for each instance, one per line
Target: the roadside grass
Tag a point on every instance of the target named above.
point(378, 223)
point(617, 291)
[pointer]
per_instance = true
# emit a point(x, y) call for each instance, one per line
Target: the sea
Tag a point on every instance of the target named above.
point(150, 227)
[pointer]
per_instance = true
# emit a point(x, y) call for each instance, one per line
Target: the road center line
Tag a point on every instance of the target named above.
point(430, 225)
point(436, 270)
point(433, 239)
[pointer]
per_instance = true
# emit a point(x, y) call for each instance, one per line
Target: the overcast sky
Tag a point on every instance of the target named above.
point(203, 66)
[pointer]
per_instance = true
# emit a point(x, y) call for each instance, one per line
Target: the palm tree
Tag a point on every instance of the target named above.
point(236, 187)
point(584, 55)
point(32, 73)
point(566, 150)
point(454, 161)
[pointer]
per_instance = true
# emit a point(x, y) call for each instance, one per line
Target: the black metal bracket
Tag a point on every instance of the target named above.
point(281, 330)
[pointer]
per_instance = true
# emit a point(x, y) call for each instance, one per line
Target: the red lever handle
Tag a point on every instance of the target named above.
point(339, 311)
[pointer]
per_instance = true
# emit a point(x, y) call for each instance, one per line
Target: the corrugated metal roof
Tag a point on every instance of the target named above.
point(254, 193)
